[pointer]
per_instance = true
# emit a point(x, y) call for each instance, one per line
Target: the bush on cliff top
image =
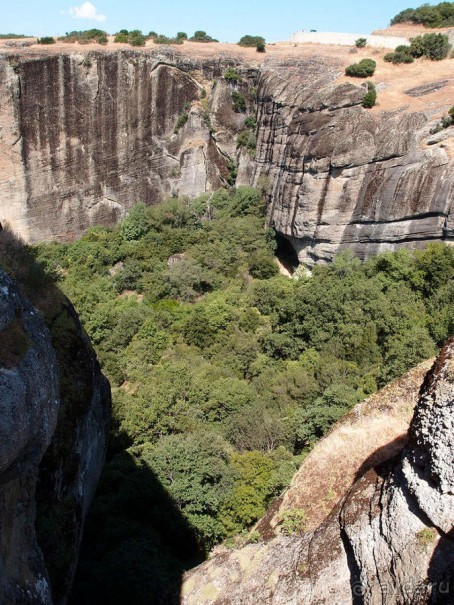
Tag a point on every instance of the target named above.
point(440, 15)
point(201, 36)
point(398, 57)
point(87, 36)
point(251, 41)
point(433, 46)
point(46, 40)
point(363, 69)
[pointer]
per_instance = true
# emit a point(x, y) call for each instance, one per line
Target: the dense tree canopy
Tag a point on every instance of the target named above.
point(224, 375)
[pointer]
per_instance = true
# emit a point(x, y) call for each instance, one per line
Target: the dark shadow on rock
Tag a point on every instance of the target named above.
point(70, 468)
point(137, 544)
point(441, 571)
point(286, 253)
point(381, 455)
point(355, 572)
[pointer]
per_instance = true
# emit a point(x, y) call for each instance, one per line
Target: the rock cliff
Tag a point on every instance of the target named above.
point(389, 540)
point(55, 410)
point(85, 135)
point(342, 176)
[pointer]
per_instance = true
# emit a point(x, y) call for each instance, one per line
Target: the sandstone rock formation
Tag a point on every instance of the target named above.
point(342, 176)
point(85, 136)
point(55, 407)
point(389, 540)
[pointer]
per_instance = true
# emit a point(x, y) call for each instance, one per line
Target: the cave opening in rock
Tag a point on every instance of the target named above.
point(286, 254)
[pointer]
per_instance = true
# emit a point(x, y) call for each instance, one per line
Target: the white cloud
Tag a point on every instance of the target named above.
point(86, 10)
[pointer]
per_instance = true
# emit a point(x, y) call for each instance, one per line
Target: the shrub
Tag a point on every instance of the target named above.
point(181, 122)
point(360, 42)
point(293, 522)
point(165, 40)
point(398, 57)
point(260, 47)
point(136, 38)
point(371, 96)
point(231, 75)
point(182, 35)
point(251, 122)
point(251, 41)
point(87, 36)
point(451, 112)
point(46, 40)
point(247, 139)
point(238, 102)
point(434, 46)
point(201, 36)
point(233, 172)
point(363, 69)
point(426, 536)
point(121, 37)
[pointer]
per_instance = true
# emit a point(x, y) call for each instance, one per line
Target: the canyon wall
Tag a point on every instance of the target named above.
point(55, 415)
point(342, 176)
point(85, 136)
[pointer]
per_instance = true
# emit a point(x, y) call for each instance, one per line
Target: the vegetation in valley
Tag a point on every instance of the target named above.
point(224, 372)
point(440, 15)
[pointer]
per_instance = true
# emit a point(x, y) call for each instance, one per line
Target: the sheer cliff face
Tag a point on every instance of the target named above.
point(389, 540)
point(342, 176)
point(55, 407)
point(85, 136)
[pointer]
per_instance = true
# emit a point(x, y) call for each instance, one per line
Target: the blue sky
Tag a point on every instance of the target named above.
point(226, 20)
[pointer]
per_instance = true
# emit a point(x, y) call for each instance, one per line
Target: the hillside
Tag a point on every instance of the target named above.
point(388, 540)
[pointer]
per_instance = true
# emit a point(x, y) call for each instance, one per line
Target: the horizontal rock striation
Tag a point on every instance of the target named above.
point(388, 541)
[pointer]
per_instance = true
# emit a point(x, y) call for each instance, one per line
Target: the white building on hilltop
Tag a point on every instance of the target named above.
point(341, 39)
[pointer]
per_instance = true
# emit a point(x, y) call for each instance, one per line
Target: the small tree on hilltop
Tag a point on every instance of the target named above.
point(251, 41)
point(361, 42)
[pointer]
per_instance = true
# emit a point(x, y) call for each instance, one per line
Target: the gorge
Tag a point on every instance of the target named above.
point(226, 376)
point(85, 135)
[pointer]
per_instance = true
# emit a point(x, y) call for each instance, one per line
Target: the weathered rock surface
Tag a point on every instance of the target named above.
point(388, 541)
point(29, 400)
point(85, 136)
point(344, 177)
point(55, 409)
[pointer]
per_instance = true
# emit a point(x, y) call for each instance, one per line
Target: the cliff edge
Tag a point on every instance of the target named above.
point(55, 414)
point(389, 540)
